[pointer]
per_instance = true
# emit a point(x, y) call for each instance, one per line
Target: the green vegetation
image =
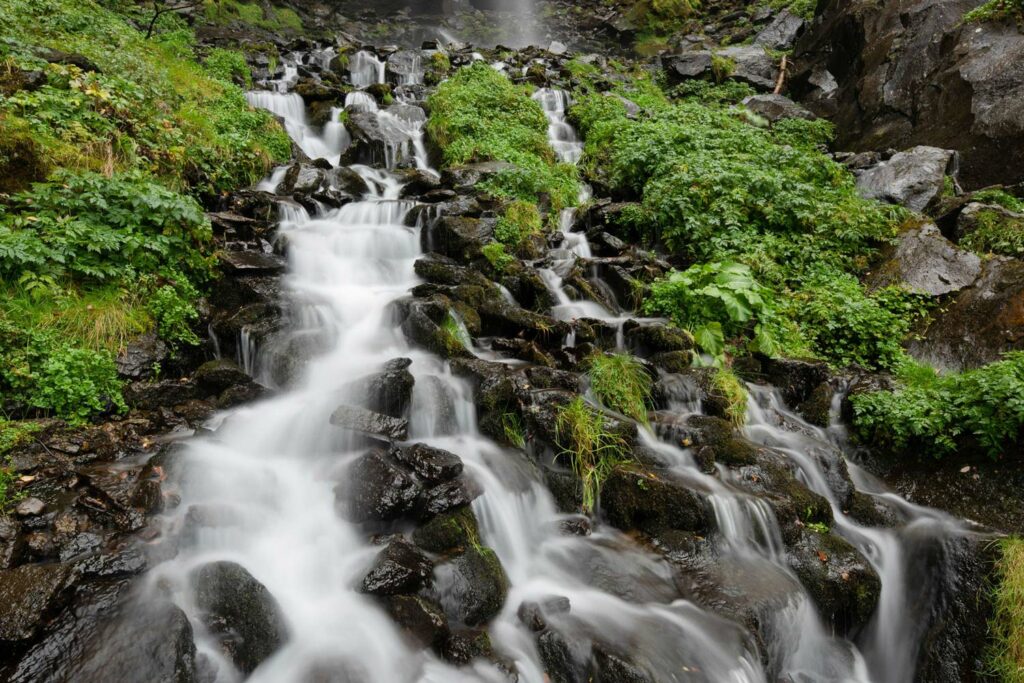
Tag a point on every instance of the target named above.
point(518, 224)
point(515, 432)
point(438, 68)
point(585, 437)
point(775, 230)
point(996, 233)
point(975, 411)
point(621, 383)
point(496, 255)
point(102, 236)
point(728, 386)
point(231, 11)
point(996, 10)
point(1005, 656)
point(479, 115)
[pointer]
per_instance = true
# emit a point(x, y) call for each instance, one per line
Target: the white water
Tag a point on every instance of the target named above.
point(271, 468)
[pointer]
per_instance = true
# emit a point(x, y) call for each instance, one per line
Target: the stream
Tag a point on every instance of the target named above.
point(267, 474)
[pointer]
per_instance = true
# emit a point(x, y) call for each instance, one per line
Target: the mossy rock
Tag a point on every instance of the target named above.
point(449, 532)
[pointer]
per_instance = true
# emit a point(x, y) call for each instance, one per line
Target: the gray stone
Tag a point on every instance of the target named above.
point(141, 356)
point(924, 261)
point(752, 66)
point(30, 507)
point(782, 32)
point(370, 423)
point(302, 178)
point(776, 107)
point(913, 178)
point(679, 68)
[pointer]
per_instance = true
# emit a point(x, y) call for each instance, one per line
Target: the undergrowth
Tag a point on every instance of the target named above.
point(479, 115)
point(592, 447)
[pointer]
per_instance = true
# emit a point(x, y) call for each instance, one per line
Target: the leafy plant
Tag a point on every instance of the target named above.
point(621, 383)
point(996, 233)
point(520, 221)
point(496, 255)
point(594, 450)
point(995, 10)
point(978, 410)
point(228, 65)
point(716, 301)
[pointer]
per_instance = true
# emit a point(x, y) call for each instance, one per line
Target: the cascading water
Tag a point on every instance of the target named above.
point(265, 482)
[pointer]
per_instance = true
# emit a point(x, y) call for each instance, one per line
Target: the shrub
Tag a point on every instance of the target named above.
point(621, 383)
point(585, 437)
point(496, 255)
point(479, 115)
point(996, 233)
point(996, 10)
point(978, 410)
point(228, 65)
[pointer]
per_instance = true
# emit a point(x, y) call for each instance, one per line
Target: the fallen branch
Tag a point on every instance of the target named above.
point(782, 75)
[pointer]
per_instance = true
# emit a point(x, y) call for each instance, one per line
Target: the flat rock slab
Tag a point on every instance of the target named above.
point(27, 595)
point(913, 178)
point(251, 262)
point(371, 423)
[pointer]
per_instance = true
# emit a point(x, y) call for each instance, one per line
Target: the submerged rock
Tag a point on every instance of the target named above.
point(241, 612)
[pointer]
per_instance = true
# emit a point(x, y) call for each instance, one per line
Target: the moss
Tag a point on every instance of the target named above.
point(21, 160)
point(451, 531)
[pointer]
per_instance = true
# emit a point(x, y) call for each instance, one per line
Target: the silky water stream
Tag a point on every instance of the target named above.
point(268, 473)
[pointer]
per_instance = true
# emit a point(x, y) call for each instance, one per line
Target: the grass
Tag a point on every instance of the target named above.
point(585, 437)
point(518, 224)
point(515, 432)
point(621, 383)
point(1005, 656)
point(727, 385)
point(478, 115)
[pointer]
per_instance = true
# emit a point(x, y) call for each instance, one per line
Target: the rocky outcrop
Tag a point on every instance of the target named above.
point(914, 178)
point(926, 262)
point(891, 74)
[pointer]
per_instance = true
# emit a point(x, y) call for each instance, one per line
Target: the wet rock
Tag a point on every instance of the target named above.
point(442, 270)
point(449, 496)
point(424, 322)
point(30, 507)
point(399, 568)
point(389, 391)
point(776, 107)
point(346, 183)
point(785, 28)
point(796, 379)
point(648, 340)
point(141, 356)
point(404, 67)
point(609, 667)
point(914, 178)
point(465, 645)
point(689, 65)
point(635, 499)
point(925, 261)
point(370, 423)
point(501, 319)
point(432, 465)
point(377, 140)
point(840, 580)
point(533, 614)
point(154, 395)
point(420, 618)
point(560, 659)
point(151, 642)
point(302, 178)
point(29, 595)
point(251, 262)
point(378, 489)
point(472, 586)
point(984, 321)
point(216, 376)
point(241, 612)
point(417, 182)
point(458, 237)
point(447, 532)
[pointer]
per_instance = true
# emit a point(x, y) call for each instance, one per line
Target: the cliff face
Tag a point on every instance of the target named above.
point(901, 73)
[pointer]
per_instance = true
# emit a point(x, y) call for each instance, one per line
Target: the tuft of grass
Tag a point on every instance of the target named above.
point(621, 383)
point(728, 386)
point(594, 450)
point(1005, 656)
point(519, 223)
point(515, 432)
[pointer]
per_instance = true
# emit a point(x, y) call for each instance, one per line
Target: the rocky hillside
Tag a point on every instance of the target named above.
point(722, 301)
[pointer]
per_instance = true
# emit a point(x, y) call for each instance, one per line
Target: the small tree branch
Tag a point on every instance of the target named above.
point(782, 75)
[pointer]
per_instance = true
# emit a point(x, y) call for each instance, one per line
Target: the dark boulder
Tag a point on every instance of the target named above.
point(377, 140)
point(782, 32)
point(458, 237)
point(400, 568)
point(686, 66)
point(29, 595)
point(632, 498)
point(251, 262)
point(216, 376)
point(432, 465)
point(302, 178)
point(465, 178)
point(449, 496)
point(378, 490)
point(472, 586)
point(404, 67)
point(449, 532)
point(750, 64)
point(420, 618)
point(388, 392)
point(241, 612)
point(142, 357)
